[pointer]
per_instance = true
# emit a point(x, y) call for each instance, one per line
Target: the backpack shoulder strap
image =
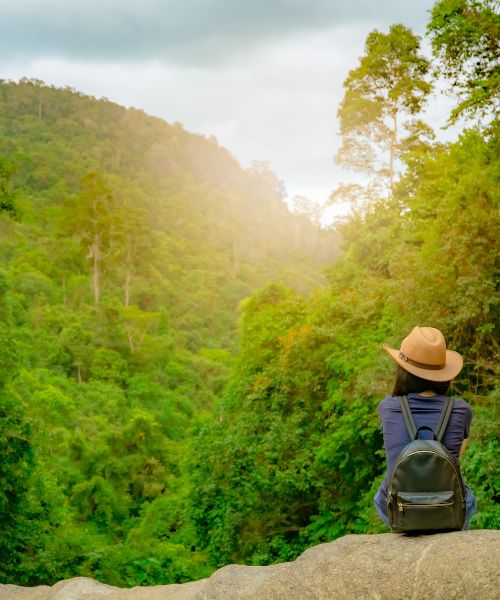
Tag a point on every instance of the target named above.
point(445, 417)
point(408, 417)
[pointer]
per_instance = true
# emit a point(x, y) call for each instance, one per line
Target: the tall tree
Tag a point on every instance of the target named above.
point(386, 91)
point(465, 38)
point(135, 239)
point(94, 223)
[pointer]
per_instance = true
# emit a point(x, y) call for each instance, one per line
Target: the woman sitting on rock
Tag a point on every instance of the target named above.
point(425, 370)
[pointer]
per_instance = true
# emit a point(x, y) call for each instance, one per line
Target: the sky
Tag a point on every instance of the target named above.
point(263, 76)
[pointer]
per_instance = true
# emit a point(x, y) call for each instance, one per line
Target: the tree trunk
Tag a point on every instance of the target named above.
point(135, 341)
point(394, 140)
point(130, 340)
point(128, 277)
point(95, 273)
point(128, 272)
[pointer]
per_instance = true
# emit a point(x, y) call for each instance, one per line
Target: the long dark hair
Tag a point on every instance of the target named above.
point(407, 382)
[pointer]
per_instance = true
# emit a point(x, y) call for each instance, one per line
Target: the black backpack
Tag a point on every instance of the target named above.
point(426, 490)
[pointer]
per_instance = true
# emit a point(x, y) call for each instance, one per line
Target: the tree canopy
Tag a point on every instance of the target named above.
point(465, 36)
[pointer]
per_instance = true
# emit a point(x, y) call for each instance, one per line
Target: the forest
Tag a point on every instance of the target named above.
point(190, 372)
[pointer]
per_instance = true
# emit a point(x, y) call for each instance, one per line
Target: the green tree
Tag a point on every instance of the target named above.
point(134, 248)
point(94, 224)
point(76, 340)
point(17, 461)
point(465, 36)
point(7, 196)
point(386, 90)
point(137, 324)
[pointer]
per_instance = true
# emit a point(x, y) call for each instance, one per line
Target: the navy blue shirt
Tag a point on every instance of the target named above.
point(426, 410)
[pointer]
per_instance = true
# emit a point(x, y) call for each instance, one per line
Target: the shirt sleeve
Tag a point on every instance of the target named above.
point(380, 413)
point(468, 419)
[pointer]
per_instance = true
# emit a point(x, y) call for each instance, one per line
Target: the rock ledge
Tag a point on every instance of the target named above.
point(459, 565)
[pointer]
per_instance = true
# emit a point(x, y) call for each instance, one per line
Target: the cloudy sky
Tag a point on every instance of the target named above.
point(264, 76)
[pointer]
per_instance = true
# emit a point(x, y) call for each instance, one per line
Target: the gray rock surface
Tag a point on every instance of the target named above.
point(459, 565)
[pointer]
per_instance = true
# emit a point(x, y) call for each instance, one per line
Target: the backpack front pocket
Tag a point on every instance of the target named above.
point(426, 511)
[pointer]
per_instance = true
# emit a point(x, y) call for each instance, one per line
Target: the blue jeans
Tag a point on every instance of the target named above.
point(380, 506)
point(470, 506)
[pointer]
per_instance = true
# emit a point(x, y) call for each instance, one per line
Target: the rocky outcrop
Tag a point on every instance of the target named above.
point(459, 565)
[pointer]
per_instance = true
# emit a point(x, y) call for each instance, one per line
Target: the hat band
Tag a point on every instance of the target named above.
point(420, 365)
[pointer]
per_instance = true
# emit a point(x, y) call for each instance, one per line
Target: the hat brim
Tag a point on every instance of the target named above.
point(453, 366)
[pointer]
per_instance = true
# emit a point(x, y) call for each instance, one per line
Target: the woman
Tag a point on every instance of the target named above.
point(425, 370)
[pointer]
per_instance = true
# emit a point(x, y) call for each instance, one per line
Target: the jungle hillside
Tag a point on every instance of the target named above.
point(189, 371)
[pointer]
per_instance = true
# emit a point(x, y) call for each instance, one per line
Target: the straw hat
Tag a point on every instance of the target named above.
point(424, 354)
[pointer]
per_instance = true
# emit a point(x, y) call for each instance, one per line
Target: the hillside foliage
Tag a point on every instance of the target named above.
point(189, 373)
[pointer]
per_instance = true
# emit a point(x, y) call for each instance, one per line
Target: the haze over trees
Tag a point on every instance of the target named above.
point(127, 244)
point(189, 373)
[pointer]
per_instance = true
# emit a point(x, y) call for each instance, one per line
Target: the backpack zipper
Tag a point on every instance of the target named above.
point(403, 505)
point(423, 452)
